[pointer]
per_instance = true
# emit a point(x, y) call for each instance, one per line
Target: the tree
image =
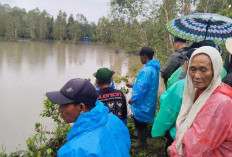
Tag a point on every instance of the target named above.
point(136, 23)
point(74, 31)
point(92, 32)
point(3, 17)
point(60, 26)
point(105, 31)
point(50, 25)
point(69, 25)
point(83, 25)
point(14, 22)
point(32, 18)
point(212, 6)
point(43, 25)
point(70, 20)
point(81, 19)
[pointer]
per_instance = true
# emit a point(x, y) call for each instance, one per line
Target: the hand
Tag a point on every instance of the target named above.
point(169, 151)
point(185, 66)
point(129, 85)
point(130, 102)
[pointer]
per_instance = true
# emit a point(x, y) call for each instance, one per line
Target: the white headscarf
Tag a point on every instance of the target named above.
point(190, 109)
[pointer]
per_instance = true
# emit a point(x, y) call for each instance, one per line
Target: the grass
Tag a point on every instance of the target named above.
point(154, 148)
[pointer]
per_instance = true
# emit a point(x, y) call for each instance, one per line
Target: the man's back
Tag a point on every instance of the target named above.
point(144, 92)
point(114, 100)
point(97, 133)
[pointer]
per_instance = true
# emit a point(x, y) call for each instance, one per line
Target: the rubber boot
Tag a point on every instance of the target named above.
point(142, 139)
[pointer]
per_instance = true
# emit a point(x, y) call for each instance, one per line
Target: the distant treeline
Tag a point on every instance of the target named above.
point(16, 23)
point(130, 25)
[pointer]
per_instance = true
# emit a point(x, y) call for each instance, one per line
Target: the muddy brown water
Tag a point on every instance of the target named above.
point(29, 69)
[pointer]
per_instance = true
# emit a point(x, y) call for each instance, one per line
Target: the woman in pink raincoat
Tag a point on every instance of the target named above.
point(204, 124)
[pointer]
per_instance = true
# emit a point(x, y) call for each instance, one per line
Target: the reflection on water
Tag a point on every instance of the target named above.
point(29, 69)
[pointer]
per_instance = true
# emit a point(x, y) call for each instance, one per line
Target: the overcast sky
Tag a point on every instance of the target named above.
point(91, 9)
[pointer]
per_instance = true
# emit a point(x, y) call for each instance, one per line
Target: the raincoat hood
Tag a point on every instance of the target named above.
point(88, 121)
point(154, 63)
point(97, 133)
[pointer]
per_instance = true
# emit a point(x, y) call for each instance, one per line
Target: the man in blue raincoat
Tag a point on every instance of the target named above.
point(144, 94)
point(95, 131)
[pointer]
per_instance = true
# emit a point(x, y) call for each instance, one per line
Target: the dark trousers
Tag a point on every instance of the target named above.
point(168, 143)
point(140, 125)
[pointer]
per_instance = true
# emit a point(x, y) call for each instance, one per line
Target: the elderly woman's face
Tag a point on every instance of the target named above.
point(201, 71)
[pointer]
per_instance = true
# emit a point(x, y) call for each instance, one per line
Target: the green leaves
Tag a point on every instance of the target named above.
point(3, 155)
point(49, 152)
point(51, 110)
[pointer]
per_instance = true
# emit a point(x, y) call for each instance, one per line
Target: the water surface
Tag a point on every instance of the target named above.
point(29, 69)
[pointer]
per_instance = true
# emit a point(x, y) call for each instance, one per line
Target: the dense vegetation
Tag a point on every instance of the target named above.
point(39, 25)
point(135, 23)
point(130, 25)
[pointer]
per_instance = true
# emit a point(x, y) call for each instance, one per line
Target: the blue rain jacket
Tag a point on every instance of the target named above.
point(144, 92)
point(170, 105)
point(97, 134)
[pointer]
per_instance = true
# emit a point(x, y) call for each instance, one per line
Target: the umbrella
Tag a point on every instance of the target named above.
point(201, 26)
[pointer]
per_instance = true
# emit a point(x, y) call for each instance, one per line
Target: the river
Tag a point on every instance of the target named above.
point(29, 69)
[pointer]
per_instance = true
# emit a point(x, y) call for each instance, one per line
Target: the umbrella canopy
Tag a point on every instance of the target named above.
point(201, 26)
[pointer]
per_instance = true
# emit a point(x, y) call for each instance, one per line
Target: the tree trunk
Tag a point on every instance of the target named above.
point(16, 33)
point(41, 32)
point(32, 31)
point(182, 6)
point(12, 33)
point(61, 36)
point(187, 7)
point(75, 38)
point(228, 11)
point(206, 7)
point(167, 20)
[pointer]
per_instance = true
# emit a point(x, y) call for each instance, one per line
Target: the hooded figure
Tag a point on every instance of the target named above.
point(204, 124)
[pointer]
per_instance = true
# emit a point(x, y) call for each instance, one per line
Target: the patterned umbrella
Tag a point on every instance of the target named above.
point(201, 26)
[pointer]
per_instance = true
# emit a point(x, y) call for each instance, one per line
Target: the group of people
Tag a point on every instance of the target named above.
point(194, 112)
point(195, 108)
